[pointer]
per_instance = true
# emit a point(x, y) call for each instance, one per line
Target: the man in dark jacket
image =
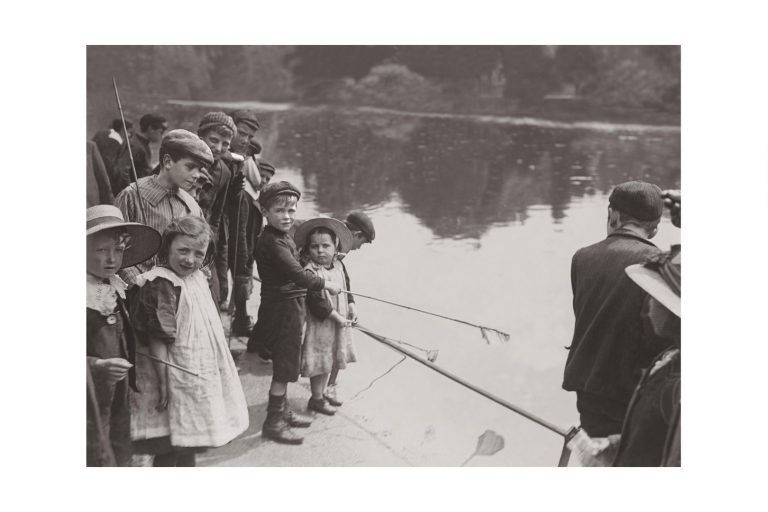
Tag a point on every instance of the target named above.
point(111, 142)
point(152, 128)
point(608, 350)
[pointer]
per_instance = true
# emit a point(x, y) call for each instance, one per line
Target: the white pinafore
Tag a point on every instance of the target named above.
point(209, 410)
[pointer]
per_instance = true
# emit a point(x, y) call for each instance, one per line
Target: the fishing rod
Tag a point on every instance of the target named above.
point(130, 153)
point(483, 329)
point(567, 435)
point(544, 423)
point(167, 363)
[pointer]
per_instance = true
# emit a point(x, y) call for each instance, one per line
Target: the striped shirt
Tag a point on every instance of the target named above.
point(161, 206)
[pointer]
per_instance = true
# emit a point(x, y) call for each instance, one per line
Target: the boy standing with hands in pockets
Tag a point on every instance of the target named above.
point(278, 331)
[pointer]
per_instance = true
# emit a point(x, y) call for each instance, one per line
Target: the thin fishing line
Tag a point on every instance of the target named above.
point(377, 378)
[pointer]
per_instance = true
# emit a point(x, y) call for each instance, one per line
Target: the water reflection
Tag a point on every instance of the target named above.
point(457, 176)
point(460, 177)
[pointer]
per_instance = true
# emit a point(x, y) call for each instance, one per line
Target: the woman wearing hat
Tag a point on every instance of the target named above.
point(650, 435)
point(112, 244)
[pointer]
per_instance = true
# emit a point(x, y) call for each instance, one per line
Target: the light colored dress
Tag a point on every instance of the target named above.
point(325, 341)
point(205, 411)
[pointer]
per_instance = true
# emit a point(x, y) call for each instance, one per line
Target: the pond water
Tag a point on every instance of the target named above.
point(476, 218)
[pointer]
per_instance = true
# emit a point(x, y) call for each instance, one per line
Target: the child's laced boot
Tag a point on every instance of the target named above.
point(275, 426)
point(321, 405)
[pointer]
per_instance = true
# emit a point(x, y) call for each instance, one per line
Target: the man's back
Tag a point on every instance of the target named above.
point(607, 353)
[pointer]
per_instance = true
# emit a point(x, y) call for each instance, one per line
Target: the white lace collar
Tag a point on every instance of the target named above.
point(101, 296)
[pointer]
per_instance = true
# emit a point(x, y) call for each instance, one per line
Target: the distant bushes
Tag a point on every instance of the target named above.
point(391, 85)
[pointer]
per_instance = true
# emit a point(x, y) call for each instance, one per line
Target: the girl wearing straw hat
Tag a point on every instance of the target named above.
point(327, 338)
point(112, 244)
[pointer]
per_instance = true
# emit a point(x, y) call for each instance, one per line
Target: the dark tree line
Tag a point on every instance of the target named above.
point(631, 76)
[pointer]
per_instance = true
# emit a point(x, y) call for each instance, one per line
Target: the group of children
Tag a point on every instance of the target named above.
point(161, 377)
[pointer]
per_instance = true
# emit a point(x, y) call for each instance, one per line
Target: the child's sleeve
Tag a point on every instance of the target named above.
point(318, 304)
point(286, 263)
point(154, 312)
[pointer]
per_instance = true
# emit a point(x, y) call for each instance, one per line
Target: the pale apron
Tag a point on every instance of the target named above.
point(325, 341)
point(209, 410)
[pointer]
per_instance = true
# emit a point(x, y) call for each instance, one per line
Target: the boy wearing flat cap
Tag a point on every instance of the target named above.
point(163, 195)
point(244, 219)
point(608, 350)
point(284, 284)
point(218, 130)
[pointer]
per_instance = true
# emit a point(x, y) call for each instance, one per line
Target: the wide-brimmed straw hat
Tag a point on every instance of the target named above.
point(144, 243)
point(343, 235)
point(660, 278)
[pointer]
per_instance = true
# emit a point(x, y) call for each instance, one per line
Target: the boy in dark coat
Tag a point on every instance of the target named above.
point(217, 130)
point(278, 331)
point(244, 219)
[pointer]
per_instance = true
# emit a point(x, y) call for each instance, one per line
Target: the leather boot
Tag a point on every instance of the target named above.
point(275, 426)
point(295, 419)
point(321, 405)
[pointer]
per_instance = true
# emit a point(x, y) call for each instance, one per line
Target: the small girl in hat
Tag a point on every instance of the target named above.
point(327, 338)
point(111, 245)
point(179, 411)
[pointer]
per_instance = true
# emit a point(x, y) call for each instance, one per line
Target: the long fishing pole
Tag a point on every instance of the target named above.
point(130, 153)
point(505, 336)
point(232, 303)
point(167, 363)
point(544, 423)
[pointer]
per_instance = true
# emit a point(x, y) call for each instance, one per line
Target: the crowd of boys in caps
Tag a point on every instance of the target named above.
point(624, 358)
point(215, 174)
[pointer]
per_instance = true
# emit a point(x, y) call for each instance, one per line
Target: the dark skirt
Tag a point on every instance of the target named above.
point(277, 336)
point(115, 423)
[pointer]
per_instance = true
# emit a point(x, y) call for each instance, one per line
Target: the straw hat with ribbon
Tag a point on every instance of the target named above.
point(660, 278)
point(343, 235)
point(144, 243)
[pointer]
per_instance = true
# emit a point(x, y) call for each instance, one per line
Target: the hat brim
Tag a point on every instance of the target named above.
point(655, 286)
point(343, 235)
point(145, 241)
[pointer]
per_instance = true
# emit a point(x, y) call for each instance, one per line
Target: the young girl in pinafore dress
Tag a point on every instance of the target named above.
point(327, 336)
point(177, 414)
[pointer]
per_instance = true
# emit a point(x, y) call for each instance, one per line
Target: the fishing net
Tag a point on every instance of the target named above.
point(487, 444)
point(494, 336)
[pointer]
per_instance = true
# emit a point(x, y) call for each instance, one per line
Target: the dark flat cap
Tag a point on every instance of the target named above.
point(265, 166)
point(274, 189)
point(246, 116)
point(214, 119)
point(639, 199)
point(358, 221)
point(188, 143)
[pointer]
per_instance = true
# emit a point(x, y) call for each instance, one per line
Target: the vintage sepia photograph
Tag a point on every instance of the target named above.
point(383, 256)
